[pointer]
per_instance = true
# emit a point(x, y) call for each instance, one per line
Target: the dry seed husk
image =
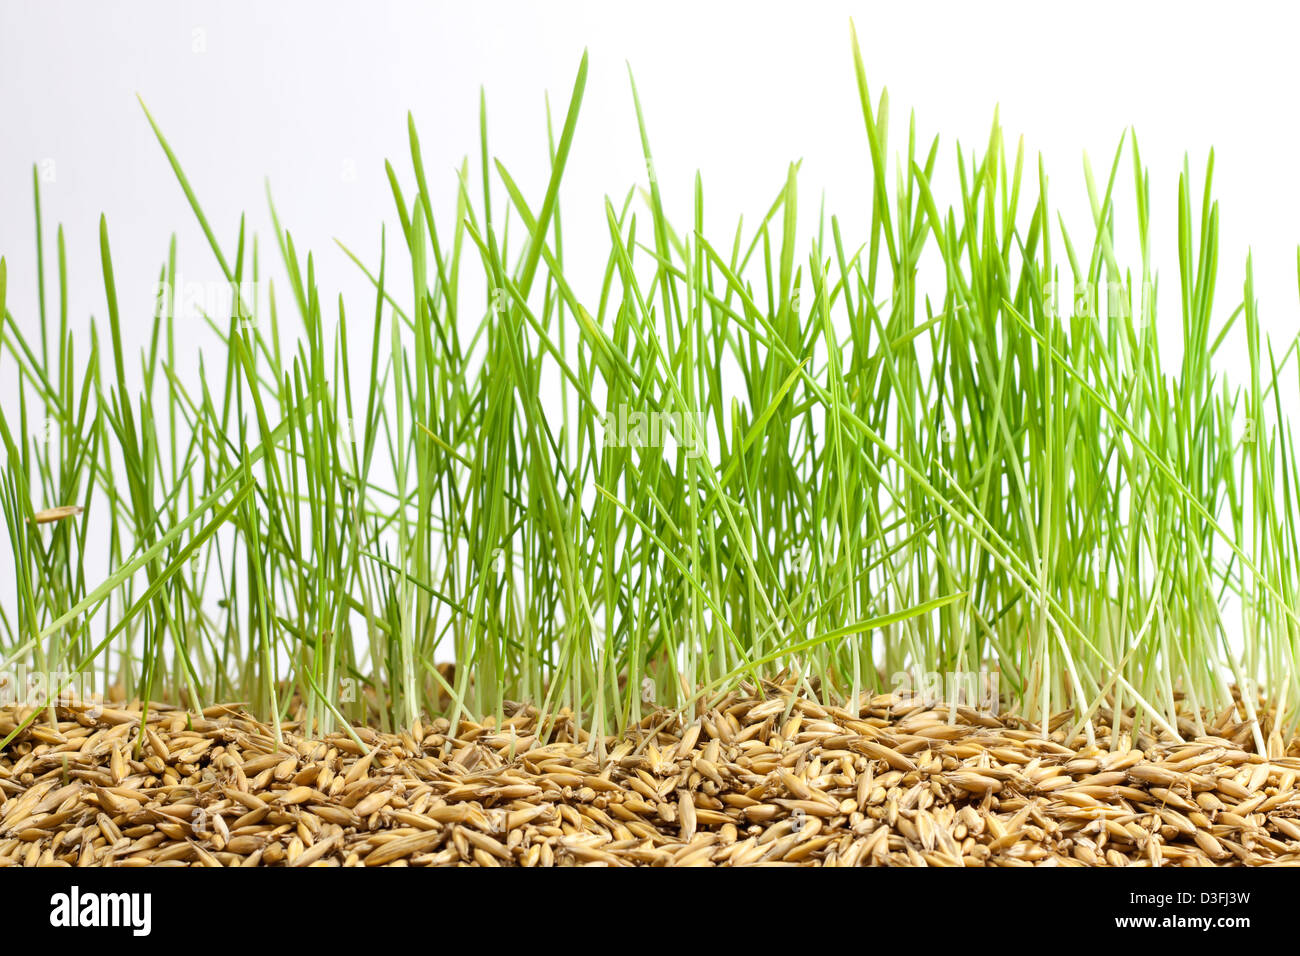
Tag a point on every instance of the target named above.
point(61, 513)
point(885, 785)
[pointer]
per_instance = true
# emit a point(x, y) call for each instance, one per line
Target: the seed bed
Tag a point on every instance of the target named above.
point(894, 784)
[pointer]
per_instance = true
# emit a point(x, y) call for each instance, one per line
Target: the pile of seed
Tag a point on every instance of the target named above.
point(777, 781)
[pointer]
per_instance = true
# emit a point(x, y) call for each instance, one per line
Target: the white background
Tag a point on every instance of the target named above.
point(313, 97)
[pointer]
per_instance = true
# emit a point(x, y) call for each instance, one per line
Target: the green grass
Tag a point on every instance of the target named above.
point(866, 476)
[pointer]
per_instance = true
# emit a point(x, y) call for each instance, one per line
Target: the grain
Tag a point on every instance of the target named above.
point(61, 513)
point(728, 787)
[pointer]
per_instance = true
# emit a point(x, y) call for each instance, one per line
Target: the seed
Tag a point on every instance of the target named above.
point(50, 515)
point(686, 812)
point(880, 752)
point(295, 796)
point(835, 790)
point(370, 804)
point(975, 782)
